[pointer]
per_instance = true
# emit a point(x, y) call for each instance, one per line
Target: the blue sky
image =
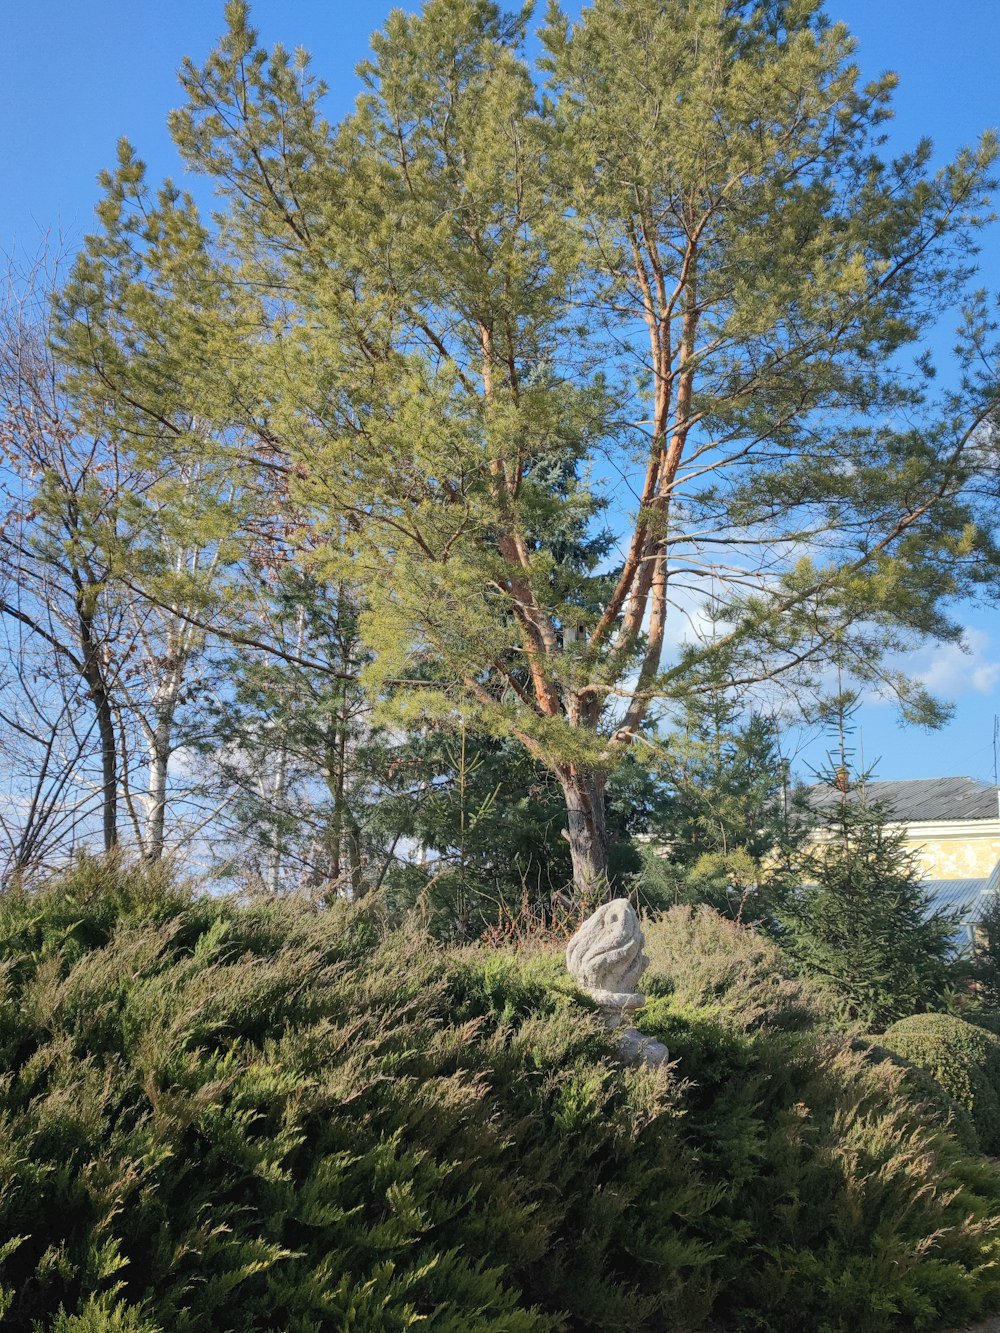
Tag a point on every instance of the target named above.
point(77, 76)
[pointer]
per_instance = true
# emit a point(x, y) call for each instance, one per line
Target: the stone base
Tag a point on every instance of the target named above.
point(635, 1046)
point(617, 1007)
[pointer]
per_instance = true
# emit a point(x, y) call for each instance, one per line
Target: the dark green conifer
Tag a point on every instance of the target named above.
point(860, 921)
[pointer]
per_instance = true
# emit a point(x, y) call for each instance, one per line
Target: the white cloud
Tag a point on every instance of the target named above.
point(952, 669)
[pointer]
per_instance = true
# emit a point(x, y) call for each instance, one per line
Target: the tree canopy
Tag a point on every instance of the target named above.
point(535, 358)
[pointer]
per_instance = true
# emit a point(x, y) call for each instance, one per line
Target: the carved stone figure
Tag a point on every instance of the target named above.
point(605, 958)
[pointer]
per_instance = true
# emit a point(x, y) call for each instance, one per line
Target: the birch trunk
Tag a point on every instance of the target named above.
point(156, 798)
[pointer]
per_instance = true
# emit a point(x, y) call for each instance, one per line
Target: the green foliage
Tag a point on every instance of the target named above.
point(273, 1116)
point(248, 1118)
point(453, 330)
point(725, 826)
point(937, 1106)
point(963, 1058)
point(493, 821)
point(490, 819)
point(699, 959)
point(833, 1181)
point(836, 1209)
point(288, 750)
point(104, 1314)
point(986, 961)
point(859, 919)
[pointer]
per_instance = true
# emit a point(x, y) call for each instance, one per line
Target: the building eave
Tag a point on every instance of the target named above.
point(939, 830)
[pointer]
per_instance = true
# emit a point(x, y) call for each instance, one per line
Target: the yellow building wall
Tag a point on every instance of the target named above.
point(955, 858)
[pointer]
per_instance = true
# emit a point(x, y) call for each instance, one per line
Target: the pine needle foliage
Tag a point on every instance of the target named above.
point(654, 251)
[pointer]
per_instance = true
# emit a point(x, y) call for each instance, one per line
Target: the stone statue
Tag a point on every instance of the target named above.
point(605, 957)
point(606, 960)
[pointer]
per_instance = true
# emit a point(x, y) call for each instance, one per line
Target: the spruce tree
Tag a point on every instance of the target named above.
point(727, 826)
point(860, 920)
point(986, 955)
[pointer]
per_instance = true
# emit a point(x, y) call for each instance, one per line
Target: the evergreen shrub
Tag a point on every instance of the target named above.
point(840, 1205)
point(701, 958)
point(272, 1116)
point(836, 1172)
point(986, 963)
point(859, 921)
point(982, 1018)
point(963, 1058)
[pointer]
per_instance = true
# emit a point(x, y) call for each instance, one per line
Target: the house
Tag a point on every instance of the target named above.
point(951, 825)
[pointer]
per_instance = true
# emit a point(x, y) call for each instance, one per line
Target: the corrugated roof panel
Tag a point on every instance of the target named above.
point(922, 799)
point(964, 896)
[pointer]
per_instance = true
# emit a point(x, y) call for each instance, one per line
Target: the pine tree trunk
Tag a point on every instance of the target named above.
point(336, 764)
point(353, 842)
point(278, 794)
point(161, 746)
point(109, 771)
point(586, 833)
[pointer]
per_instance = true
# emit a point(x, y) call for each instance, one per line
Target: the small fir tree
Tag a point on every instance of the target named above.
point(859, 918)
point(986, 966)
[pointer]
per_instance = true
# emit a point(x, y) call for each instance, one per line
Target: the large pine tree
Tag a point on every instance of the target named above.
point(669, 305)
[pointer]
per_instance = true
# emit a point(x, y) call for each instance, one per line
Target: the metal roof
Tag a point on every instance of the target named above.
point(966, 897)
point(918, 799)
